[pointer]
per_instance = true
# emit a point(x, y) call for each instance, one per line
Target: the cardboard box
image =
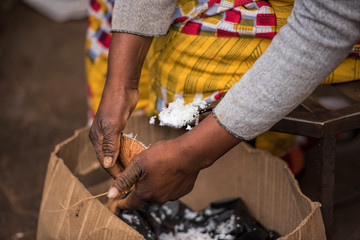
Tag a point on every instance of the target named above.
point(264, 182)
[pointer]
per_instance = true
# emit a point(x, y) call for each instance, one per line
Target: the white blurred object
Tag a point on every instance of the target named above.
point(334, 102)
point(61, 10)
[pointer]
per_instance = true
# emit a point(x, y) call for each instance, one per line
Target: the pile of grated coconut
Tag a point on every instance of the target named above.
point(178, 115)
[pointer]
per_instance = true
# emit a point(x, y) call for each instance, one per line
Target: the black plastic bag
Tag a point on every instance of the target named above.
point(227, 219)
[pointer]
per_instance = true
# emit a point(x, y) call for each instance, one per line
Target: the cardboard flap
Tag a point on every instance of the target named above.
point(264, 183)
point(65, 213)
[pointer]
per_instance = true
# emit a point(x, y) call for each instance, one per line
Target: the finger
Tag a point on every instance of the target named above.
point(133, 201)
point(96, 139)
point(126, 180)
point(110, 145)
point(115, 170)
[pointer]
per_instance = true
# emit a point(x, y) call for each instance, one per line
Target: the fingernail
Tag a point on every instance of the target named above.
point(107, 162)
point(113, 193)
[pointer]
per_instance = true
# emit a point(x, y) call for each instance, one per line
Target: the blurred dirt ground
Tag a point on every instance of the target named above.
point(43, 100)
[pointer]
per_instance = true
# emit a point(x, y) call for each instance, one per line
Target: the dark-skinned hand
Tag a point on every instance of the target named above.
point(168, 169)
point(120, 96)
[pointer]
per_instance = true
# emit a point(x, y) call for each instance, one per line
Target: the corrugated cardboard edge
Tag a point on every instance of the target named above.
point(112, 228)
point(313, 222)
point(302, 220)
point(309, 223)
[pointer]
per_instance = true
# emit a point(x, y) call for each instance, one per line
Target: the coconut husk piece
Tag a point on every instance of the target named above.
point(129, 148)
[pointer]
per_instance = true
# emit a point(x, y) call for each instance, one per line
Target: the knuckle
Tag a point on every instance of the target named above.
point(122, 183)
point(107, 125)
point(137, 168)
point(108, 147)
point(104, 124)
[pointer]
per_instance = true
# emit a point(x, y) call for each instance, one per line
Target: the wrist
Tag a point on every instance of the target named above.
point(120, 86)
point(205, 143)
point(122, 81)
point(120, 101)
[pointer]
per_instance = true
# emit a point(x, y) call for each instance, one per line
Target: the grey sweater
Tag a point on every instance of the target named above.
point(317, 38)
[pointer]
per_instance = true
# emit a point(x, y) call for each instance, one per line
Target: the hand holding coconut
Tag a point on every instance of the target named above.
point(120, 96)
point(168, 169)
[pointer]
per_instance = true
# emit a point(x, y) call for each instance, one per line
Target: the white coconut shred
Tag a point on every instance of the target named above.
point(178, 115)
point(222, 232)
point(152, 120)
point(133, 137)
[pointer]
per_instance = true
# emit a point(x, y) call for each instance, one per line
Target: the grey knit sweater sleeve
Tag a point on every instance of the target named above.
point(318, 36)
point(143, 17)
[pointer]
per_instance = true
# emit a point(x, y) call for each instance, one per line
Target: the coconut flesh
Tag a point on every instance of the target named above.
point(178, 115)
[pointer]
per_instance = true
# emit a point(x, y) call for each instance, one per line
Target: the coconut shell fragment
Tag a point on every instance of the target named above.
point(129, 148)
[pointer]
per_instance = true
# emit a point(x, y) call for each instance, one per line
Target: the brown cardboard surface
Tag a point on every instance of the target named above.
point(264, 182)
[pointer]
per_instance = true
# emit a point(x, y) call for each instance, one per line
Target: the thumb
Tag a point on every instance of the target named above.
point(126, 180)
point(110, 146)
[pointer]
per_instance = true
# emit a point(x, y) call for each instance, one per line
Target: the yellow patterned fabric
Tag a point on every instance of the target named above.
point(97, 44)
point(187, 65)
point(182, 65)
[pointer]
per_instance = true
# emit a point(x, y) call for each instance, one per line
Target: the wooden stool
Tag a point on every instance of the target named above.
point(312, 119)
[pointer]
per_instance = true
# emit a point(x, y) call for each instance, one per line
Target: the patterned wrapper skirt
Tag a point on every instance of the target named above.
point(209, 47)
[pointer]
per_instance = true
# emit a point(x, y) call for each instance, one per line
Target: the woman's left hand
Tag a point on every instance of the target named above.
point(160, 173)
point(168, 169)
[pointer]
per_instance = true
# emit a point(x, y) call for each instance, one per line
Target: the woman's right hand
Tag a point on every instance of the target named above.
point(127, 53)
point(114, 110)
